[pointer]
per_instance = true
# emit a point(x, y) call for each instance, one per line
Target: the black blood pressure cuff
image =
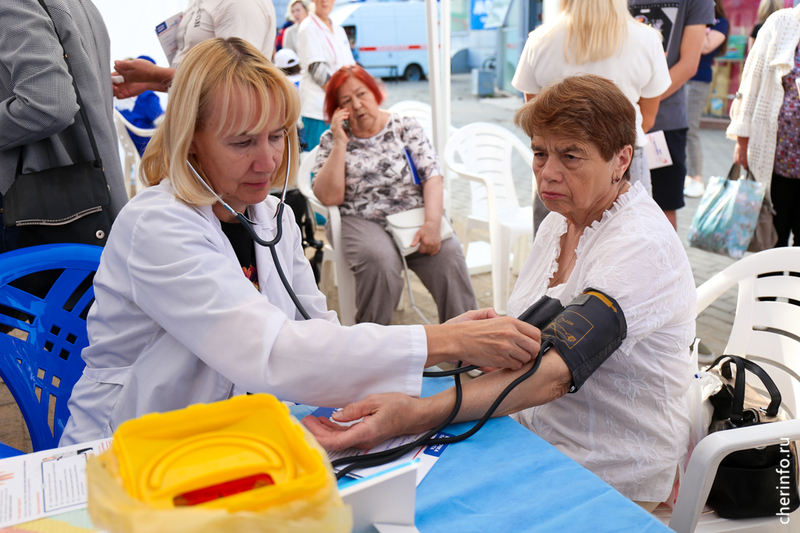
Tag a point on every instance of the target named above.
point(585, 333)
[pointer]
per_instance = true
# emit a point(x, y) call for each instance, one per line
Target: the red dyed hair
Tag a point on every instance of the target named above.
point(339, 78)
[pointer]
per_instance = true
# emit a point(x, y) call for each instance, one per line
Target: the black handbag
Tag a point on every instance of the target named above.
point(757, 482)
point(62, 204)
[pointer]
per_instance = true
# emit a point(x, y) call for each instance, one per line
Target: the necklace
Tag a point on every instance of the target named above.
point(566, 267)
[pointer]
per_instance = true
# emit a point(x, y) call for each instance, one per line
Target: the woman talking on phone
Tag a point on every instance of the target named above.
point(190, 310)
point(362, 167)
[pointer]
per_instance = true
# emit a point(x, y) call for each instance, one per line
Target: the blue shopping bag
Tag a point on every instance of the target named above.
point(726, 218)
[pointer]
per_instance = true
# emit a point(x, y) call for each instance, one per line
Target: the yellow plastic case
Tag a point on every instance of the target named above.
point(165, 458)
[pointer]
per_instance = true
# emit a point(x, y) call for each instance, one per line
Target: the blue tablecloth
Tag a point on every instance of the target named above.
point(506, 479)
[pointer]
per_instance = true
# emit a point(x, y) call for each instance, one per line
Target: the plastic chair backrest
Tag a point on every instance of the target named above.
point(486, 149)
point(41, 368)
point(131, 159)
point(422, 112)
point(413, 108)
point(307, 162)
point(766, 327)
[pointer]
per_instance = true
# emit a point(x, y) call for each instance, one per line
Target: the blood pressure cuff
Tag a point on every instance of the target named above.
point(586, 332)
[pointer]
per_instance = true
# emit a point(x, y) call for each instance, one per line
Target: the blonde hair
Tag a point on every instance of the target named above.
point(291, 4)
point(767, 8)
point(595, 29)
point(250, 87)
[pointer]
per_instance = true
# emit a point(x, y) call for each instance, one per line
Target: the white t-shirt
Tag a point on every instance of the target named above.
point(629, 422)
point(251, 20)
point(318, 44)
point(639, 69)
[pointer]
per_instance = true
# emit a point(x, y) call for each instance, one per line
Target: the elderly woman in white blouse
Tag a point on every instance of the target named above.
point(627, 421)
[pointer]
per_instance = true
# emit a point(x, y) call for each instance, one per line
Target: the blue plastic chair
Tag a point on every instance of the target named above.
point(41, 368)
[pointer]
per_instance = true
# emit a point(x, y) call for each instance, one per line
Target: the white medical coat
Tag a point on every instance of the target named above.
point(175, 322)
point(318, 44)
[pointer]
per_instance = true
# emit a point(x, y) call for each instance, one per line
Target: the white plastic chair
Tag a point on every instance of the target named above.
point(485, 152)
point(422, 112)
point(419, 110)
point(345, 280)
point(764, 331)
point(130, 165)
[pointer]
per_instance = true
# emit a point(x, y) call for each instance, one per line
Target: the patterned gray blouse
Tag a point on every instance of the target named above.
point(378, 180)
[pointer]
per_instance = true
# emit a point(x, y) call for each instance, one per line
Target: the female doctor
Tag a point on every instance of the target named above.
point(189, 309)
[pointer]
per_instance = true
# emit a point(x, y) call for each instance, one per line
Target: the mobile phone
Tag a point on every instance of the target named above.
point(346, 126)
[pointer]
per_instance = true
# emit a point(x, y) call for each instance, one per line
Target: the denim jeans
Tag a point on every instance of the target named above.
point(696, 98)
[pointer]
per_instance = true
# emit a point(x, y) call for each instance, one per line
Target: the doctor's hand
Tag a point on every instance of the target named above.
point(501, 342)
point(478, 314)
point(384, 416)
point(429, 238)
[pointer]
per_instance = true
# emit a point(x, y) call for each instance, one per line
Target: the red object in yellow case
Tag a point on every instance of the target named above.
point(245, 453)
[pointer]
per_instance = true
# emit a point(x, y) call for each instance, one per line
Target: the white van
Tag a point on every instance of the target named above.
point(390, 38)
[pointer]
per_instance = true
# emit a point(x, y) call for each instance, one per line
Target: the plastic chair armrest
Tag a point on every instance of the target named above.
point(715, 287)
point(141, 132)
point(707, 455)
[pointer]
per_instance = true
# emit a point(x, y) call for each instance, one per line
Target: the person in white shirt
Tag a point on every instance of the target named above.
point(252, 20)
point(599, 37)
point(189, 310)
point(297, 13)
point(627, 421)
point(323, 49)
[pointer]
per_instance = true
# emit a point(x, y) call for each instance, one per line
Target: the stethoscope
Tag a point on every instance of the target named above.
point(429, 438)
point(248, 224)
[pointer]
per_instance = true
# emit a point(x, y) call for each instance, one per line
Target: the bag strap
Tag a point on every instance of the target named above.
point(737, 408)
point(733, 173)
point(75, 86)
point(772, 389)
point(736, 171)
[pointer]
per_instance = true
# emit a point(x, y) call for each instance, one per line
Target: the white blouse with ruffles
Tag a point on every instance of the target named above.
point(628, 423)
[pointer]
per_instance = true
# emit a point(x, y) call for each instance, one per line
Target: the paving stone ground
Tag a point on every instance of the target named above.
point(713, 326)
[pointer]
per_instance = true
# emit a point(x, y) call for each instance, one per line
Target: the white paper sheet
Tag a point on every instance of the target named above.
point(427, 455)
point(167, 33)
point(657, 151)
point(45, 483)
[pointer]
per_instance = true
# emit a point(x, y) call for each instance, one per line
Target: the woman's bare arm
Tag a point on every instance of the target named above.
point(649, 109)
point(429, 235)
point(388, 415)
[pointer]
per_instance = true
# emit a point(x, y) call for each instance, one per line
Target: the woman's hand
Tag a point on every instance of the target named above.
point(384, 416)
point(740, 151)
point(429, 238)
point(340, 135)
point(329, 181)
